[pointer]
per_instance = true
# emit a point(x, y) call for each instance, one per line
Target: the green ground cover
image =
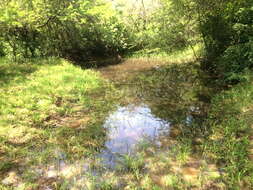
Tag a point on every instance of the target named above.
point(47, 104)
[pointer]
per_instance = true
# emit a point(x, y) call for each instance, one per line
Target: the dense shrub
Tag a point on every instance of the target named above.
point(82, 29)
point(73, 29)
point(176, 25)
point(2, 53)
point(228, 33)
point(159, 25)
point(235, 61)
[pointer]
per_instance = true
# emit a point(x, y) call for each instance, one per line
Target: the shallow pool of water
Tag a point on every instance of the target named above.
point(129, 127)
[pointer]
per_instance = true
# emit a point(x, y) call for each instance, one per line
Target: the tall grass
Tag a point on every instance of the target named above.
point(230, 124)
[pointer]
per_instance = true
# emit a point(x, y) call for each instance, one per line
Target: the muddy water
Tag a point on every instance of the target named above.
point(128, 127)
point(134, 125)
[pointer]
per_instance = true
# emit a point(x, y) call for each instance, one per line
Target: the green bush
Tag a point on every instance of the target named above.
point(228, 33)
point(2, 53)
point(235, 61)
point(70, 29)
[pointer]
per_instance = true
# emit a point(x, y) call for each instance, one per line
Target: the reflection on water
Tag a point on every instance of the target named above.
point(126, 128)
point(129, 126)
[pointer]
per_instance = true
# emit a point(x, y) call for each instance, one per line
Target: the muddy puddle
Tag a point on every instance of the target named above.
point(129, 127)
point(130, 130)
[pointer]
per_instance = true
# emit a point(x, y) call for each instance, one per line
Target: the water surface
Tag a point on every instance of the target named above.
point(127, 128)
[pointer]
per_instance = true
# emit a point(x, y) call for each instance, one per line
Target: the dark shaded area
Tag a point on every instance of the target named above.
point(9, 72)
point(19, 71)
point(227, 34)
point(6, 163)
point(97, 62)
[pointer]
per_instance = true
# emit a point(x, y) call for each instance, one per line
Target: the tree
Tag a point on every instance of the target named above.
point(227, 30)
point(73, 29)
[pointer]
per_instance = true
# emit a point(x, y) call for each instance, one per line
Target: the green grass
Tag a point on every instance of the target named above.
point(176, 56)
point(49, 104)
point(230, 123)
point(221, 138)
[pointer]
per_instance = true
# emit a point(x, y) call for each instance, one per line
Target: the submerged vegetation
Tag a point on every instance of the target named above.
point(78, 80)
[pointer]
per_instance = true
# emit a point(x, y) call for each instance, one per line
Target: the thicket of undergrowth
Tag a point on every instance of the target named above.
point(80, 30)
point(83, 29)
point(227, 29)
point(70, 29)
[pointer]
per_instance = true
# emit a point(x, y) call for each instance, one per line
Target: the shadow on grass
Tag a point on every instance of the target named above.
point(99, 62)
point(30, 135)
point(6, 149)
point(18, 72)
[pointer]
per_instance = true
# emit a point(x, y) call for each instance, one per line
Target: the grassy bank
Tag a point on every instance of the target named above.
point(47, 105)
point(229, 126)
point(215, 150)
point(220, 134)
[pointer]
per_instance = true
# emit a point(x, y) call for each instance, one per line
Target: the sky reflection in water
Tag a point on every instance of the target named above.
point(129, 126)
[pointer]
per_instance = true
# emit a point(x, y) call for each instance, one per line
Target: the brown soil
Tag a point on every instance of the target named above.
point(129, 68)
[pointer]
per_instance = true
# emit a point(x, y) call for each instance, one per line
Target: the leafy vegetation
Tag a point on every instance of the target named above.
point(70, 29)
point(80, 30)
point(36, 108)
point(227, 32)
point(190, 61)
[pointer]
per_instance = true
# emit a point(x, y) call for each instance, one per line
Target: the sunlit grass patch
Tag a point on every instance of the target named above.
point(228, 144)
point(47, 104)
point(56, 111)
point(51, 89)
point(187, 54)
point(133, 164)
